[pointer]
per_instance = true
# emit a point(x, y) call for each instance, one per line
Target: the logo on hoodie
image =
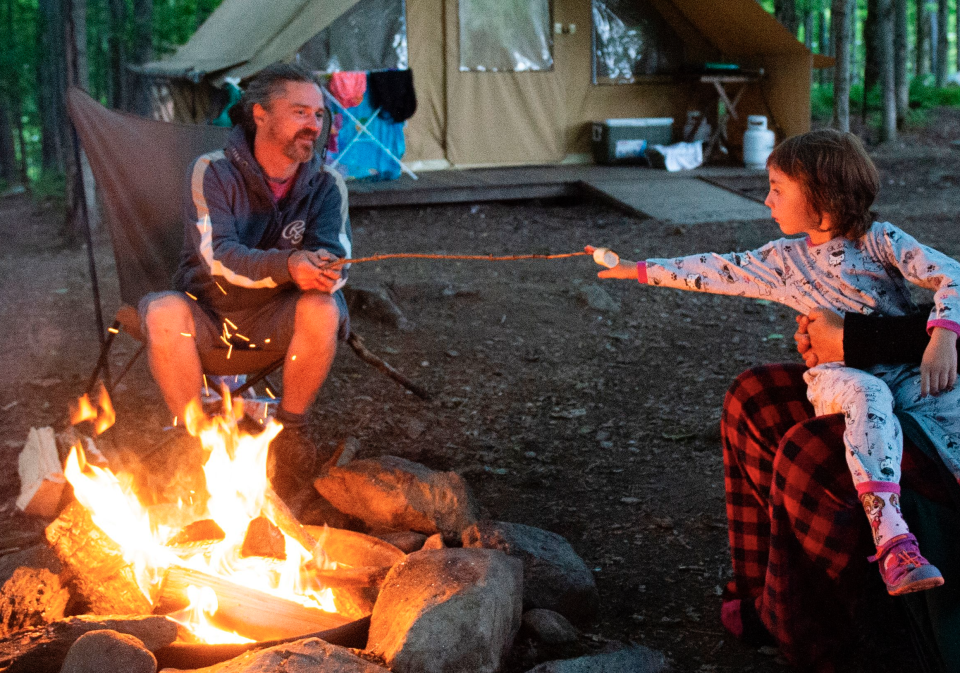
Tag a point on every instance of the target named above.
point(293, 232)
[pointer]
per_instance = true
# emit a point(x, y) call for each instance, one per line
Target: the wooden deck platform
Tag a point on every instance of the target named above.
point(685, 197)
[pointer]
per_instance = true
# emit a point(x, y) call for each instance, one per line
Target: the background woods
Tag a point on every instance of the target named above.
point(894, 59)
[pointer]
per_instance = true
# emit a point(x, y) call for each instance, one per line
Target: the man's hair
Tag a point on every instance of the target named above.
point(836, 175)
point(264, 87)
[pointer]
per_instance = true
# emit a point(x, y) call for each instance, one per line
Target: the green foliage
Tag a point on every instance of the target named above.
point(51, 188)
point(821, 101)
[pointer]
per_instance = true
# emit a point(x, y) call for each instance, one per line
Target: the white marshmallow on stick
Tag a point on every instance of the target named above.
point(606, 257)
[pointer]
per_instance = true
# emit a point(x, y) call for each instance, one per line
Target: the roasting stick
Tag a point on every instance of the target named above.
point(485, 258)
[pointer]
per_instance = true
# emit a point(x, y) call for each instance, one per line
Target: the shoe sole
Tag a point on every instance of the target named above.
point(921, 579)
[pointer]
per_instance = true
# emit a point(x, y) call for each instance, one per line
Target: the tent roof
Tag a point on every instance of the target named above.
point(242, 37)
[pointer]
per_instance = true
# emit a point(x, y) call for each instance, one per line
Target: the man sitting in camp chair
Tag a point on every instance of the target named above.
point(262, 217)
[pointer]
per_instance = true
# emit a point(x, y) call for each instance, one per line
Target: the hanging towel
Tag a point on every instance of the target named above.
point(392, 92)
point(348, 87)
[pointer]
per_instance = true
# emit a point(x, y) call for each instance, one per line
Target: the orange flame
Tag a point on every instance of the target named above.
point(103, 415)
point(236, 484)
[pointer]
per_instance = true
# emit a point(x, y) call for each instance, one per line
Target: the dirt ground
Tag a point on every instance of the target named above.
point(598, 425)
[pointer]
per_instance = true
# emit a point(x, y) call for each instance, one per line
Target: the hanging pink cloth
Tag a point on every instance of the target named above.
point(348, 87)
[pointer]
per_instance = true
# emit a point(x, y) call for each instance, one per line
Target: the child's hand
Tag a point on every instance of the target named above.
point(624, 269)
point(938, 369)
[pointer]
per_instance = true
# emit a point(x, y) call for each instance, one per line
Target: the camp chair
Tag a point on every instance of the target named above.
point(139, 165)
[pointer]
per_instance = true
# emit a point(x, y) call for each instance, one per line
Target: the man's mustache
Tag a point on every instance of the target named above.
point(308, 135)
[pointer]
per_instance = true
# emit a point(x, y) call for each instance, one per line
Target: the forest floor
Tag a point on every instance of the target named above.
point(599, 425)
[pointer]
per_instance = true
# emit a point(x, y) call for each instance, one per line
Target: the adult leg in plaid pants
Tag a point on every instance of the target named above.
point(798, 537)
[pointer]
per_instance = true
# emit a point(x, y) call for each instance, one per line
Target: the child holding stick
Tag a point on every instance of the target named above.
point(822, 185)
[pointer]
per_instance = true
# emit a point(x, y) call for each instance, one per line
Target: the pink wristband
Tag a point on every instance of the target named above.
point(945, 324)
point(642, 272)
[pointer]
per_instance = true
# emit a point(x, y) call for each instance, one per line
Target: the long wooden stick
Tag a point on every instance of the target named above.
point(356, 343)
point(416, 255)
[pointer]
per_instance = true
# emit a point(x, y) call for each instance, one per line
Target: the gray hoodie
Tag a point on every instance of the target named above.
point(237, 239)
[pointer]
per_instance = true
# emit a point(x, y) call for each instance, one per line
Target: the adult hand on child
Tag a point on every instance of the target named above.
point(624, 269)
point(819, 337)
point(938, 369)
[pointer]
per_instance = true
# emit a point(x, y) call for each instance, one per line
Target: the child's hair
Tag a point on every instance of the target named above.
point(836, 174)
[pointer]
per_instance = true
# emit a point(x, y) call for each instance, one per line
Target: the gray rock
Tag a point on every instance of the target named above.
point(554, 577)
point(391, 492)
point(310, 655)
point(99, 651)
point(154, 631)
point(597, 298)
point(37, 556)
point(448, 611)
point(407, 541)
point(636, 659)
point(549, 627)
point(376, 304)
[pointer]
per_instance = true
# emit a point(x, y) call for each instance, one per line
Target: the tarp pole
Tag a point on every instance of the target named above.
point(88, 235)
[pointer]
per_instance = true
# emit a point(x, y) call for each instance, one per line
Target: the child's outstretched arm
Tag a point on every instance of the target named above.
point(938, 369)
point(624, 269)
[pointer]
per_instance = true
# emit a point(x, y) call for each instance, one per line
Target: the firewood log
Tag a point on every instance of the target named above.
point(94, 566)
point(32, 597)
point(249, 612)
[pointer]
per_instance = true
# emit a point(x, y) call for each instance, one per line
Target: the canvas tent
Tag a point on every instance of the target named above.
point(470, 115)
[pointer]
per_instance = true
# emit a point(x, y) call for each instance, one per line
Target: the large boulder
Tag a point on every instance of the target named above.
point(99, 651)
point(549, 627)
point(310, 655)
point(390, 492)
point(554, 577)
point(636, 659)
point(448, 611)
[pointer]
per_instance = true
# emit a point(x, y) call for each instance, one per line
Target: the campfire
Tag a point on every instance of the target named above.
point(216, 567)
point(229, 563)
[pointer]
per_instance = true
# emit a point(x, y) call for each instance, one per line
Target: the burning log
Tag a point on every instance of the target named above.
point(95, 566)
point(32, 597)
point(277, 511)
point(42, 650)
point(249, 612)
point(263, 539)
point(197, 533)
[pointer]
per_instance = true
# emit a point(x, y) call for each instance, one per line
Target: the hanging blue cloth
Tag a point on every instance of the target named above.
point(364, 159)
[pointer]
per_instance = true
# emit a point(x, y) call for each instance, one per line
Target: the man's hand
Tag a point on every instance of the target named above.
point(308, 270)
point(819, 337)
point(938, 369)
point(625, 269)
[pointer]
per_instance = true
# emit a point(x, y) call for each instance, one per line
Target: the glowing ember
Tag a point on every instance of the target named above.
point(236, 485)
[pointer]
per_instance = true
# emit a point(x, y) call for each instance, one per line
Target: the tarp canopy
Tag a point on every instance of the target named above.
point(242, 37)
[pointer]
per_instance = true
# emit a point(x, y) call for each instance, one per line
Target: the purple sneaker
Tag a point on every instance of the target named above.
point(903, 569)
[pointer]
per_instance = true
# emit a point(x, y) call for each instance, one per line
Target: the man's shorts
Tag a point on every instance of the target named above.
point(268, 327)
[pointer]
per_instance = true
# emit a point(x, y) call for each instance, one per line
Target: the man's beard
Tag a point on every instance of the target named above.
point(296, 151)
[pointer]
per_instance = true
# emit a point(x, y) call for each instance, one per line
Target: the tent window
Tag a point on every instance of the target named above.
point(371, 35)
point(632, 41)
point(505, 36)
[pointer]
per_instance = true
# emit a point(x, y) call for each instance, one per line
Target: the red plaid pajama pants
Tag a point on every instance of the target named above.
point(798, 535)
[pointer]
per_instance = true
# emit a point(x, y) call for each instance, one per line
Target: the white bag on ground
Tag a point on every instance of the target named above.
point(681, 156)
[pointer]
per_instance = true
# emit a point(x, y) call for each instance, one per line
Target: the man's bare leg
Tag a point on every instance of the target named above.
point(311, 351)
point(174, 360)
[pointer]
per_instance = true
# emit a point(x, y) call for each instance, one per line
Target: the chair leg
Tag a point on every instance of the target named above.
point(259, 376)
point(103, 360)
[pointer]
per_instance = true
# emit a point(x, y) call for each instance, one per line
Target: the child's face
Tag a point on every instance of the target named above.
point(791, 210)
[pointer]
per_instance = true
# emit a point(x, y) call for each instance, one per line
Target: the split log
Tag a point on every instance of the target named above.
point(352, 578)
point(42, 650)
point(94, 565)
point(192, 656)
point(249, 612)
point(263, 538)
point(197, 533)
point(32, 597)
point(41, 474)
point(277, 511)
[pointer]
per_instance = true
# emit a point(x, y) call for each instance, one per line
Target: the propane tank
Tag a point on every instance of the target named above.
point(758, 142)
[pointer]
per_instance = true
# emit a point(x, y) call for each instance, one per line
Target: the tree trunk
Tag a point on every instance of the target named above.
point(923, 35)
point(840, 23)
point(8, 156)
point(901, 73)
point(51, 76)
point(119, 79)
point(16, 109)
point(142, 52)
point(943, 18)
point(872, 49)
point(808, 28)
point(786, 13)
point(884, 34)
point(81, 195)
point(824, 42)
